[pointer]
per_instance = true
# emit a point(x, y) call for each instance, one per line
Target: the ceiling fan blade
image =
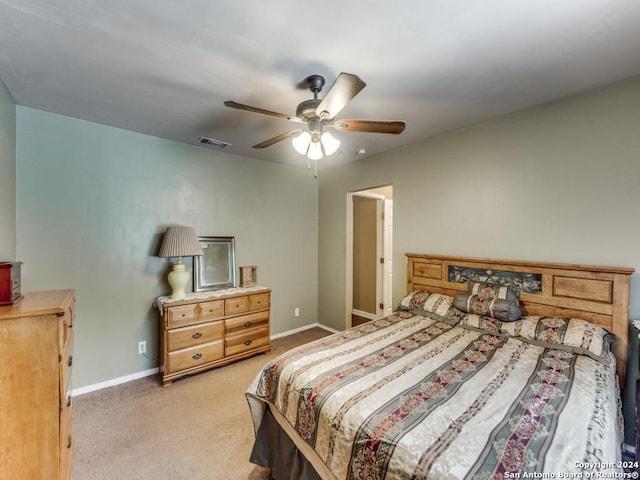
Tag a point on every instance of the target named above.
point(373, 126)
point(277, 138)
point(248, 108)
point(339, 95)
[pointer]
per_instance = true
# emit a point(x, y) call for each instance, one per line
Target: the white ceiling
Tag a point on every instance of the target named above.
point(165, 67)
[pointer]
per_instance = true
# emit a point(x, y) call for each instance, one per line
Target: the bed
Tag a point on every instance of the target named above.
point(486, 369)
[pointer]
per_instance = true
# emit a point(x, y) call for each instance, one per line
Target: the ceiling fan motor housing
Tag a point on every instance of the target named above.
point(307, 109)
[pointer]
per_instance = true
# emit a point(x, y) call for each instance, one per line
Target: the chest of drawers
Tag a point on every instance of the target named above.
point(36, 357)
point(208, 330)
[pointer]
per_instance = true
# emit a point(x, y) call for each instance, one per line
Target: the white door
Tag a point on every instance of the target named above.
point(387, 263)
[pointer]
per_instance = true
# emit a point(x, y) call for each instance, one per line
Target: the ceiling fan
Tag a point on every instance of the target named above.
point(317, 115)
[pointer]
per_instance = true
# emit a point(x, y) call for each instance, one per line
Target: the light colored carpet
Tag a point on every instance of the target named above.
point(199, 428)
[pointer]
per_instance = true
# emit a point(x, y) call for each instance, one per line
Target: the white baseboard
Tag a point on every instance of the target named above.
point(152, 371)
point(113, 382)
point(367, 315)
point(302, 329)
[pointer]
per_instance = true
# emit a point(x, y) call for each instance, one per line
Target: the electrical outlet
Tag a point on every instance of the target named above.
point(142, 347)
point(296, 312)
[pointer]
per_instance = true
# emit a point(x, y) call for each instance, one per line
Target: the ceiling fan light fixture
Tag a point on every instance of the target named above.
point(329, 143)
point(315, 145)
point(301, 142)
point(315, 150)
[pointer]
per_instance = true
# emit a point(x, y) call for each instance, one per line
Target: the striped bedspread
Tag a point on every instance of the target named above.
point(411, 397)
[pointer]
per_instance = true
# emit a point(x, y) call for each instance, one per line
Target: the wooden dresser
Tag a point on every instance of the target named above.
point(210, 329)
point(36, 338)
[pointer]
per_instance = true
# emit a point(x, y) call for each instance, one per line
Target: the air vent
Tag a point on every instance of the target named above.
point(212, 142)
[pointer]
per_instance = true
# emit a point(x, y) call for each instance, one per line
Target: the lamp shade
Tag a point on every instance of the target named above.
point(301, 142)
point(329, 143)
point(315, 150)
point(180, 241)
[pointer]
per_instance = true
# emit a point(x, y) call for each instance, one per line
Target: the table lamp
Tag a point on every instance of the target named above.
point(179, 242)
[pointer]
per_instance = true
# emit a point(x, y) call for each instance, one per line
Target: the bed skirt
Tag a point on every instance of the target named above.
point(275, 450)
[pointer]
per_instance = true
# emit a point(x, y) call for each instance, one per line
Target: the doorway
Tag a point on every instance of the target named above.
point(369, 255)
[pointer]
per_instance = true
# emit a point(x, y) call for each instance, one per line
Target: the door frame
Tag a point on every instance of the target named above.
point(349, 251)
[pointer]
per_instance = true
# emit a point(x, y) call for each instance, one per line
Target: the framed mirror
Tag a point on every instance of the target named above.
point(216, 267)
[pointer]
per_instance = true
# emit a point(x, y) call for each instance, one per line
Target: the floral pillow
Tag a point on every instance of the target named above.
point(495, 301)
point(570, 334)
point(489, 290)
point(430, 304)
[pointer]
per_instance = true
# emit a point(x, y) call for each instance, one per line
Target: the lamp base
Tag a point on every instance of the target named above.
point(178, 279)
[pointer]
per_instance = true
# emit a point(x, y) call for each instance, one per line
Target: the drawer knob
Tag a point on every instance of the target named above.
point(248, 324)
point(197, 356)
point(70, 361)
point(196, 336)
point(248, 342)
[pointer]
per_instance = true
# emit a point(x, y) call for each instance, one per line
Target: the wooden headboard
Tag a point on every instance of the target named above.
point(597, 294)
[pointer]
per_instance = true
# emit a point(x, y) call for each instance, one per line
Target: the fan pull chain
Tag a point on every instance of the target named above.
point(315, 167)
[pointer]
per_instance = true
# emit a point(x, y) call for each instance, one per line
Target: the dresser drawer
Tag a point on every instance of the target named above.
point(66, 422)
point(236, 305)
point(259, 302)
point(237, 325)
point(69, 316)
point(66, 441)
point(252, 338)
point(65, 326)
point(66, 457)
point(65, 366)
point(194, 356)
point(179, 338)
point(64, 334)
point(211, 310)
point(181, 314)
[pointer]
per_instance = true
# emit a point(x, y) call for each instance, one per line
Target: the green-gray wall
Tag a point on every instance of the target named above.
point(558, 182)
point(7, 175)
point(93, 201)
